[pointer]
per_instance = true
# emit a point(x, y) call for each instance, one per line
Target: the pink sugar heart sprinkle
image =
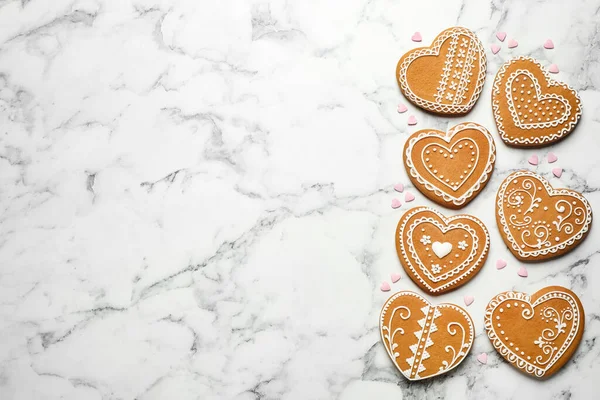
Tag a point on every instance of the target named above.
point(557, 172)
point(412, 120)
point(552, 157)
point(385, 287)
point(409, 197)
point(549, 44)
point(482, 358)
point(495, 48)
point(402, 108)
point(501, 36)
point(500, 263)
point(512, 43)
point(396, 203)
point(533, 160)
point(522, 272)
point(395, 277)
point(398, 187)
point(469, 300)
point(553, 68)
point(416, 37)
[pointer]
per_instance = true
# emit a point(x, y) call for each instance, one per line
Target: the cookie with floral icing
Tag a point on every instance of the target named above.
point(538, 222)
point(539, 333)
point(424, 340)
point(530, 108)
point(448, 76)
point(451, 167)
point(441, 253)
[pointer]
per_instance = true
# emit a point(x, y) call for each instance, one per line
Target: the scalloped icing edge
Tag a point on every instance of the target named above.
point(537, 141)
point(447, 220)
point(505, 351)
point(447, 136)
point(434, 50)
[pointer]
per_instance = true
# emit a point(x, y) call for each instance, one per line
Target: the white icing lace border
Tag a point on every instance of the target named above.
point(447, 220)
point(434, 50)
point(511, 356)
point(551, 82)
point(447, 136)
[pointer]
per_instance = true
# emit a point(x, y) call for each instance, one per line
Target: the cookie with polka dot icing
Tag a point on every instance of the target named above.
point(424, 340)
point(536, 334)
point(447, 77)
point(451, 167)
point(441, 253)
point(538, 222)
point(530, 108)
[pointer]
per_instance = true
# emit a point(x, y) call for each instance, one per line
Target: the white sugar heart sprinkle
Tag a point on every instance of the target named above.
point(412, 120)
point(395, 277)
point(501, 36)
point(548, 44)
point(533, 160)
point(512, 43)
point(398, 187)
point(416, 37)
point(495, 48)
point(469, 300)
point(482, 358)
point(500, 264)
point(385, 287)
point(552, 157)
point(522, 272)
point(409, 197)
point(553, 68)
point(557, 172)
point(402, 108)
point(396, 203)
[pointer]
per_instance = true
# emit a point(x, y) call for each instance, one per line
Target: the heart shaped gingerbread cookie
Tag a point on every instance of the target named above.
point(438, 253)
point(538, 222)
point(530, 108)
point(447, 77)
point(452, 167)
point(539, 333)
point(424, 340)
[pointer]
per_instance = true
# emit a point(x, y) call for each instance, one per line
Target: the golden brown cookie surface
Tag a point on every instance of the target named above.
point(530, 108)
point(440, 253)
point(451, 167)
point(538, 333)
point(448, 76)
point(424, 340)
point(538, 222)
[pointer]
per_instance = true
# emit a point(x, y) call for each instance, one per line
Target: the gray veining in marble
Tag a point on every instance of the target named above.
point(195, 196)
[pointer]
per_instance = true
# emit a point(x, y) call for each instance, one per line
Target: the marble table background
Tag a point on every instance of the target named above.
point(195, 196)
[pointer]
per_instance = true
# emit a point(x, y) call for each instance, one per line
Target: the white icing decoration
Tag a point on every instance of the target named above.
point(539, 139)
point(535, 236)
point(441, 249)
point(433, 186)
point(545, 341)
point(519, 121)
point(424, 336)
point(454, 186)
point(449, 98)
point(457, 272)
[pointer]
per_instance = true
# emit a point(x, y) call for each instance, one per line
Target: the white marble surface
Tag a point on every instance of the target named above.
point(195, 196)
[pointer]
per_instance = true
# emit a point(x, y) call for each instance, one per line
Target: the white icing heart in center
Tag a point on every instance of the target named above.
point(530, 108)
point(451, 166)
point(441, 249)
